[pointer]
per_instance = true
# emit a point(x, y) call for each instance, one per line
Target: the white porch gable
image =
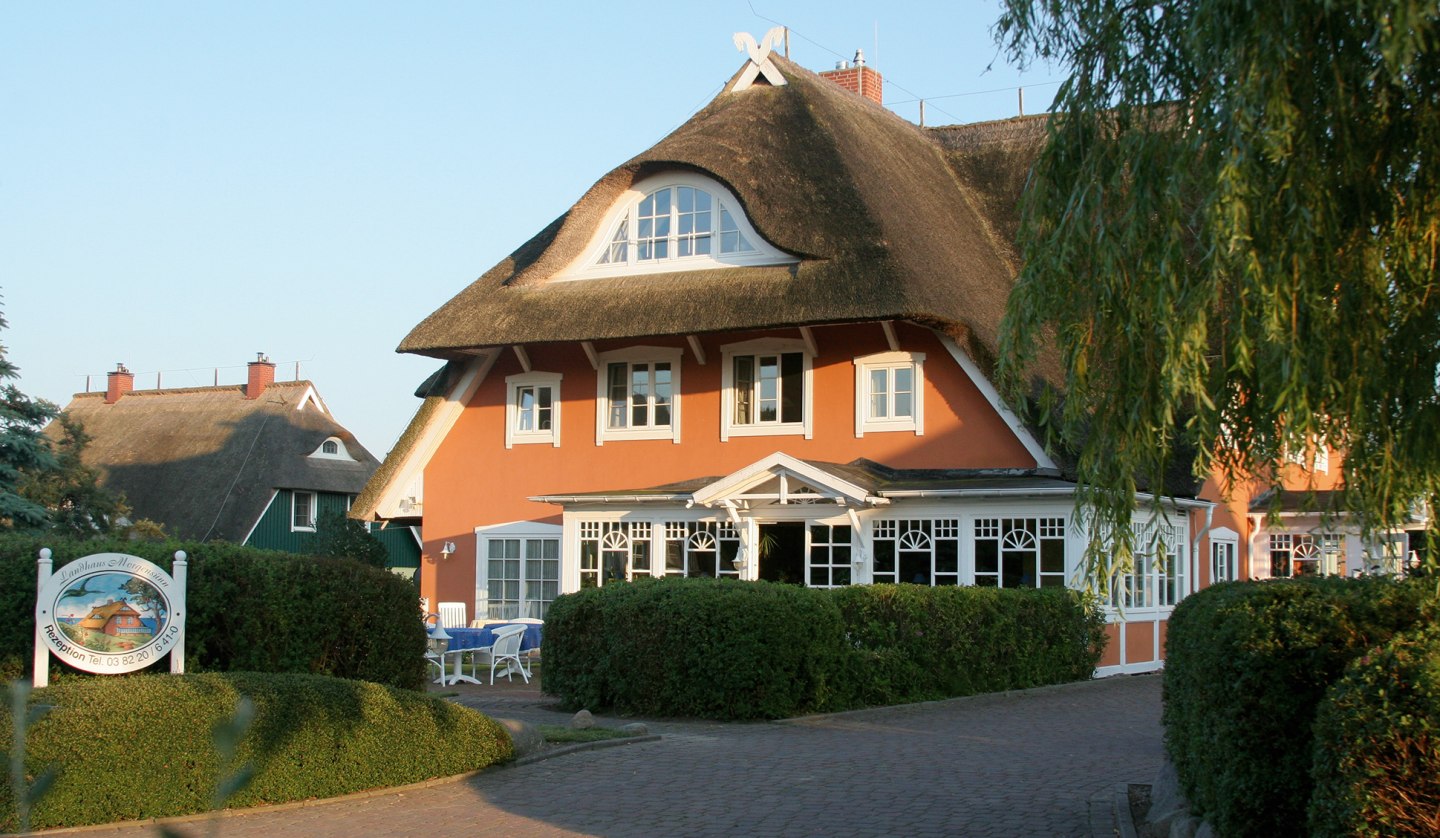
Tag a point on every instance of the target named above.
point(781, 479)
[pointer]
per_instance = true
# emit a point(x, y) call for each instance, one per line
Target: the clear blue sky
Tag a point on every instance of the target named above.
point(185, 184)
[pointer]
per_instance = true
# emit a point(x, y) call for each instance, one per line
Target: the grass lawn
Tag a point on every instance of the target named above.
point(562, 735)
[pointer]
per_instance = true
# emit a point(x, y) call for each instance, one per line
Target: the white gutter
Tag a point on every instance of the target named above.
point(608, 498)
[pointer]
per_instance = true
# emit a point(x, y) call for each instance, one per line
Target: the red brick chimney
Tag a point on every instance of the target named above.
point(118, 383)
point(262, 375)
point(857, 78)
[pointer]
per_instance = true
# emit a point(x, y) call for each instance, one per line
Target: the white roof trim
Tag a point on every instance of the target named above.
point(434, 433)
point(780, 464)
point(1027, 439)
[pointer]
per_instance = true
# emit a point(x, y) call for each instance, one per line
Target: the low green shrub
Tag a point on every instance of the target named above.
point(1377, 744)
point(247, 610)
point(710, 648)
point(1246, 666)
point(916, 643)
point(730, 649)
point(140, 746)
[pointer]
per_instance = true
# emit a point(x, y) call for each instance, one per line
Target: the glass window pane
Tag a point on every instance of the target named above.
point(792, 390)
point(744, 382)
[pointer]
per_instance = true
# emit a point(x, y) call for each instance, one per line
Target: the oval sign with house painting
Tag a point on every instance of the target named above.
point(108, 613)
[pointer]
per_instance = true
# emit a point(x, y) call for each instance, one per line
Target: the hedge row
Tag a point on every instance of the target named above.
point(247, 610)
point(746, 650)
point(140, 746)
point(1377, 744)
point(916, 643)
point(1246, 667)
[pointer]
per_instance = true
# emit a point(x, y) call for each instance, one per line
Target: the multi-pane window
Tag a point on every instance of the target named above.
point(701, 548)
point(302, 511)
point(1020, 552)
point(1304, 554)
point(1222, 561)
point(769, 389)
point(613, 551)
point(534, 409)
point(922, 552)
point(640, 395)
point(830, 556)
point(523, 576)
point(889, 392)
point(1157, 575)
point(330, 446)
point(892, 393)
point(532, 413)
point(674, 222)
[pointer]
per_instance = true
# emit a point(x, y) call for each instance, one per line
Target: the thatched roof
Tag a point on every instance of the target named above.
point(205, 461)
point(884, 228)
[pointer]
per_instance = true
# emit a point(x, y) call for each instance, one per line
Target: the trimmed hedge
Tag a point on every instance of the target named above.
point(711, 648)
point(741, 650)
point(1246, 666)
point(917, 643)
point(140, 746)
point(248, 610)
point(1377, 743)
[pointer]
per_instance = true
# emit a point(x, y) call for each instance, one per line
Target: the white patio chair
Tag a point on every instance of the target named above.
point(452, 615)
point(431, 658)
point(505, 649)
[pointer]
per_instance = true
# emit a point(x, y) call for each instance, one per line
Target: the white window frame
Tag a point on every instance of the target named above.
point(1223, 539)
point(513, 384)
point(314, 497)
point(890, 361)
point(340, 451)
point(766, 346)
point(625, 210)
point(521, 531)
point(636, 355)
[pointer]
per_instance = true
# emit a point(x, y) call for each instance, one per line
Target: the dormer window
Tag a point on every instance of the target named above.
point(331, 449)
point(675, 222)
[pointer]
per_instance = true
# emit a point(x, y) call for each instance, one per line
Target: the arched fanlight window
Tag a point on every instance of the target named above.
point(673, 222)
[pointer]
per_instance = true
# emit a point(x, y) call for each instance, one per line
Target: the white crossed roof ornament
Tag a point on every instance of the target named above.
point(760, 63)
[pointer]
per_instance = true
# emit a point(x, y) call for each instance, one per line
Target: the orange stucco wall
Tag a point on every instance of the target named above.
point(1233, 498)
point(473, 480)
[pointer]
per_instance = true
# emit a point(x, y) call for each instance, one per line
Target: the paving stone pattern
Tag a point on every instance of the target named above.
point(1014, 764)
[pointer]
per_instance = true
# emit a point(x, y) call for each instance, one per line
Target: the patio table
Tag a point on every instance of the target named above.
point(466, 639)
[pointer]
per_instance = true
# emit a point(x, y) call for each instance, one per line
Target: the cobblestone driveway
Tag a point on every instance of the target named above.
point(1014, 764)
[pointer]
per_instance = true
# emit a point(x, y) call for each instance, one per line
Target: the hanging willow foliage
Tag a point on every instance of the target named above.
point(1232, 232)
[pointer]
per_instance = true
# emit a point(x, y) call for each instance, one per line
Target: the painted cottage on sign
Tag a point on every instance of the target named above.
point(761, 349)
point(115, 619)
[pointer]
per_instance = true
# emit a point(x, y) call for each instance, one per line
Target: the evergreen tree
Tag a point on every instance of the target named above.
point(70, 491)
point(22, 448)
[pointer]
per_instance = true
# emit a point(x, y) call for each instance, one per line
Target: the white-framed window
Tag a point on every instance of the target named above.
point(614, 551)
point(532, 409)
point(331, 449)
point(676, 221)
point(701, 548)
point(1304, 554)
point(890, 393)
point(1020, 552)
point(302, 511)
point(638, 394)
point(517, 570)
point(918, 551)
point(828, 562)
point(1224, 555)
point(766, 388)
point(1157, 578)
point(1322, 457)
